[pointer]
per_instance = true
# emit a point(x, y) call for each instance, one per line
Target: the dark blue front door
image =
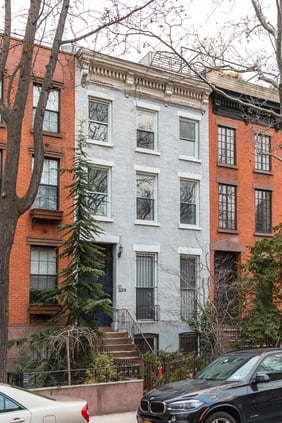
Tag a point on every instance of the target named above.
point(107, 281)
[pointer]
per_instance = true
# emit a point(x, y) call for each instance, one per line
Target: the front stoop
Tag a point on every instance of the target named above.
point(120, 347)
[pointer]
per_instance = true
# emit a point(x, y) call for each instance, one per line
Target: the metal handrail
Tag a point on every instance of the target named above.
point(126, 322)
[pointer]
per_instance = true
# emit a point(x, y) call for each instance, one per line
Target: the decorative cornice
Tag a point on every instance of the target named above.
point(142, 81)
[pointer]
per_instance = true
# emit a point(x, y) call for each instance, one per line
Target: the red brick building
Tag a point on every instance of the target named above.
point(245, 179)
point(34, 264)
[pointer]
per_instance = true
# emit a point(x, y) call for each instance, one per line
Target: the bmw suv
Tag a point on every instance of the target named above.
point(238, 387)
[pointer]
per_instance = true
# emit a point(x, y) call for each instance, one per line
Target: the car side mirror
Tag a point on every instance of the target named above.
point(261, 378)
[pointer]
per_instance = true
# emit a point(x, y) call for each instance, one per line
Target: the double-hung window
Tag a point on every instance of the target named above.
point(99, 183)
point(263, 211)
point(99, 121)
point(188, 284)
point(43, 270)
point(51, 121)
point(188, 134)
point(262, 152)
point(146, 196)
point(226, 145)
point(227, 206)
point(48, 192)
point(146, 129)
point(146, 268)
point(188, 202)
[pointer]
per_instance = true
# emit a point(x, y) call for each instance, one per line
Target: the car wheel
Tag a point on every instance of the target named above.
point(220, 417)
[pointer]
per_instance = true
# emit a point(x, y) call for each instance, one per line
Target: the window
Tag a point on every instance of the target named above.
point(146, 267)
point(48, 191)
point(188, 202)
point(227, 207)
point(51, 122)
point(272, 367)
point(98, 120)
point(188, 283)
point(99, 187)
point(263, 211)
point(146, 129)
point(1, 167)
point(1, 91)
point(7, 404)
point(188, 133)
point(262, 152)
point(43, 270)
point(188, 342)
point(145, 197)
point(226, 145)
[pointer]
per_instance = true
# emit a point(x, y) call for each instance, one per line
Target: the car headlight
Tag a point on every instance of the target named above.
point(184, 405)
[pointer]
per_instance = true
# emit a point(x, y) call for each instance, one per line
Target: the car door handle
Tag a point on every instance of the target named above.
point(17, 420)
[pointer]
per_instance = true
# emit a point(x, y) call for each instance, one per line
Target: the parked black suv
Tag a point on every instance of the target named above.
point(238, 387)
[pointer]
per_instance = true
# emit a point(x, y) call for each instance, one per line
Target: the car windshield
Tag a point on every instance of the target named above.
point(228, 367)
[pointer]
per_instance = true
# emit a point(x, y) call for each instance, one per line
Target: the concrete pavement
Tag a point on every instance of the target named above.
point(128, 417)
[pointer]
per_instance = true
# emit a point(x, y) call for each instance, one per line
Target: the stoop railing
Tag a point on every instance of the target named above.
point(124, 321)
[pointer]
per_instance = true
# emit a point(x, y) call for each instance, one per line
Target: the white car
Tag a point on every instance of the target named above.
point(22, 406)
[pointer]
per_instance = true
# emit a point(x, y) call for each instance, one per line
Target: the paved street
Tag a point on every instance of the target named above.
point(129, 417)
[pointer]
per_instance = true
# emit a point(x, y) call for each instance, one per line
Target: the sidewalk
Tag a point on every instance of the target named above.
point(129, 417)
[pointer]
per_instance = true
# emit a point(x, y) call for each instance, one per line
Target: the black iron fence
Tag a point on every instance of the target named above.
point(39, 379)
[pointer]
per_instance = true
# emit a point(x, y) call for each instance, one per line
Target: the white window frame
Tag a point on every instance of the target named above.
point(108, 169)
point(108, 124)
point(150, 252)
point(47, 173)
point(154, 113)
point(196, 182)
point(154, 175)
point(194, 118)
point(184, 314)
point(49, 109)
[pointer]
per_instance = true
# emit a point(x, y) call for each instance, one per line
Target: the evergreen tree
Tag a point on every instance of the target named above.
point(79, 291)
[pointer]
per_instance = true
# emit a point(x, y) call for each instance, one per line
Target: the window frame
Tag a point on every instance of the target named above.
point(228, 213)
point(154, 197)
point(51, 279)
point(56, 189)
point(262, 160)
point(147, 283)
point(48, 111)
point(196, 203)
point(264, 226)
point(183, 140)
point(107, 194)
point(226, 145)
point(185, 313)
point(154, 114)
point(107, 123)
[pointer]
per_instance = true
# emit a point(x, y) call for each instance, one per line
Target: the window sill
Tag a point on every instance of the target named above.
point(147, 151)
point(263, 172)
point(190, 159)
point(47, 309)
point(190, 227)
point(146, 223)
point(103, 218)
point(228, 231)
point(49, 134)
point(100, 143)
point(227, 166)
point(45, 214)
point(263, 234)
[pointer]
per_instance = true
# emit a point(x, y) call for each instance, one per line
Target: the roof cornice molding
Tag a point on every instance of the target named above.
point(142, 81)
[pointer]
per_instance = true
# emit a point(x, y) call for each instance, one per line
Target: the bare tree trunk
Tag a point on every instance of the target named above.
point(7, 230)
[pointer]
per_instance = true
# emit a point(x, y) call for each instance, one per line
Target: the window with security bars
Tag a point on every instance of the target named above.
point(146, 129)
point(226, 145)
point(188, 342)
point(188, 202)
point(262, 152)
point(263, 211)
point(99, 187)
point(145, 197)
point(98, 120)
point(188, 283)
point(146, 286)
point(227, 207)
point(51, 121)
point(48, 192)
point(43, 271)
point(188, 134)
